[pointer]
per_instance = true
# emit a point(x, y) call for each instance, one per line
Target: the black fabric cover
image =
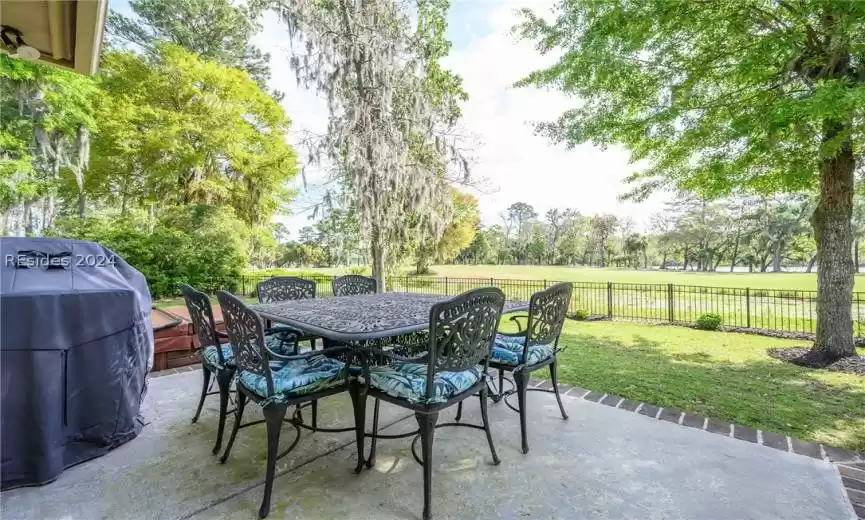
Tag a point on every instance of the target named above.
point(76, 347)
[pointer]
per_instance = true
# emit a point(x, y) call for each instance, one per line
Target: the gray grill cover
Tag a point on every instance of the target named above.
point(76, 348)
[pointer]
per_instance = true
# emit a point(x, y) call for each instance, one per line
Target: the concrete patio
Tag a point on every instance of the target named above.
point(602, 463)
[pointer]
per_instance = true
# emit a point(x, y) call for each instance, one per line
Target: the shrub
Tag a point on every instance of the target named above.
point(205, 255)
point(709, 321)
point(581, 315)
point(365, 271)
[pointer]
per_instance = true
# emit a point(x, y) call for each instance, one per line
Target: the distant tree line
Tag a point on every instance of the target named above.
point(762, 234)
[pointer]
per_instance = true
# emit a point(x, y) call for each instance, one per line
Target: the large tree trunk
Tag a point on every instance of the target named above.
point(378, 259)
point(834, 236)
point(82, 159)
point(685, 263)
point(811, 264)
point(776, 258)
point(735, 250)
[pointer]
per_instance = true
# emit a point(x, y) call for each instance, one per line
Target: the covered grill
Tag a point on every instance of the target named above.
point(77, 343)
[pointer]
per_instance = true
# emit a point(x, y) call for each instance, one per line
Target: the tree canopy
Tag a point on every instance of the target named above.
point(176, 129)
point(390, 107)
point(216, 30)
point(722, 97)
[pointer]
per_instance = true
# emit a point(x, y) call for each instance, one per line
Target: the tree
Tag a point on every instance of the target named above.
point(722, 97)
point(176, 130)
point(603, 227)
point(634, 247)
point(390, 104)
point(216, 30)
point(46, 115)
point(557, 220)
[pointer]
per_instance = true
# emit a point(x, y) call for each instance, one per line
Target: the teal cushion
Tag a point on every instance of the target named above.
point(508, 350)
point(298, 377)
point(408, 381)
point(282, 343)
point(211, 356)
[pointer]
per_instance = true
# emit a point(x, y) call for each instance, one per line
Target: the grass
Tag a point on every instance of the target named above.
point(716, 374)
point(788, 281)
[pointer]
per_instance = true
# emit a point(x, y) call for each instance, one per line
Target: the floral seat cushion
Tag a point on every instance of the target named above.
point(298, 377)
point(408, 381)
point(211, 356)
point(281, 343)
point(508, 350)
point(274, 342)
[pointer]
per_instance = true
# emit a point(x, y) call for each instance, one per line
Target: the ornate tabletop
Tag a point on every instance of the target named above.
point(358, 318)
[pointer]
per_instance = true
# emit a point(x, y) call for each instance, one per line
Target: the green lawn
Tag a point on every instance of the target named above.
point(788, 281)
point(716, 374)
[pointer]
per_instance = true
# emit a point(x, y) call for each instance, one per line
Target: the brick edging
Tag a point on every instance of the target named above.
point(849, 464)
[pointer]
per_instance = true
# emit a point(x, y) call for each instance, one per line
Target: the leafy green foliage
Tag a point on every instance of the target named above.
point(195, 245)
point(718, 96)
point(580, 315)
point(179, 130)
point(42, 109)
point(723, 97)
point(216, 30)
point(708, 321)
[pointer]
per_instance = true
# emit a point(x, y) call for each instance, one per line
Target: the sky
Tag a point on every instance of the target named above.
point(512, 163)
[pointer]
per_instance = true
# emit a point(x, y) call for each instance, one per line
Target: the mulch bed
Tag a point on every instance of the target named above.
point(800, 356)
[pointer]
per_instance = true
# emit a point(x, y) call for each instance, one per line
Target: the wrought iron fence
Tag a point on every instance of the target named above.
point(772, 310)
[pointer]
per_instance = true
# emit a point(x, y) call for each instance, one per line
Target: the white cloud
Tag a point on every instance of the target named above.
point(519, 165)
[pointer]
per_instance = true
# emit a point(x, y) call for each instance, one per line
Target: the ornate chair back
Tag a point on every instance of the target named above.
point(201, 315)
point(284, 288)
point(246, 334)
point(353, 284)
point(547, 310)
point(462, 331)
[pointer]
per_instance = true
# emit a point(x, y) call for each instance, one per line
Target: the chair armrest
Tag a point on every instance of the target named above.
point(516, 319)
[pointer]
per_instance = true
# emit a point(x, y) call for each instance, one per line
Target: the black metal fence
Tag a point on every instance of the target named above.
point(746, 308)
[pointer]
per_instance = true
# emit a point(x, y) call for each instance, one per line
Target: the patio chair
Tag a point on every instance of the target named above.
point(276, 382)
point(216, 358)
point(285, 288)
point(531, 349)
point(453, 368)
point(353, 284)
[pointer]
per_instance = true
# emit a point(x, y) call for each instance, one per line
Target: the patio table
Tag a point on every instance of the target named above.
point(356, 319)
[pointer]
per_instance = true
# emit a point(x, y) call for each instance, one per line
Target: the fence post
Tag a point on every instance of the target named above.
point(610, 300)
point(748, 307)
point(243, 285)
point(492, 281)
point(670, 304)
point(545, 284)
point(447, 287)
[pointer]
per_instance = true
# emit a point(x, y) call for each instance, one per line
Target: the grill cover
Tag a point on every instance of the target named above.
point(76, 347)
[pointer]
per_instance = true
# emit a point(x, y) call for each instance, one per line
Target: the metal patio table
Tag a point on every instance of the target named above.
point(375, 320)
point(368, 325)
point(357, 319)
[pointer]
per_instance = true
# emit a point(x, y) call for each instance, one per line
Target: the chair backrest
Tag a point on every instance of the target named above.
point(246, 334)
point(462, 331)
point(201, 316)
point(547, 310)
point(284, 288)
point(353, 284)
